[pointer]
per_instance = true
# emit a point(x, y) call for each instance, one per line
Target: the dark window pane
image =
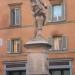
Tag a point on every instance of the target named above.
point(23, 73)
point(66, 72)
point(59, 71)
point(56, 72)
point(20, 72)
point(16, 73)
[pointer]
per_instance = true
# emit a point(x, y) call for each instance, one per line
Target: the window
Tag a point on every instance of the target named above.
point(58, 43)
point(56, 13)
point(60, 67)
point(14, 46)
point(15, 68)
point(15, 15)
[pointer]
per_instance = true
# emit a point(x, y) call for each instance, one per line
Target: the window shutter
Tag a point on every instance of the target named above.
point(51, 42)
point(12, 17)
point(61, 43)
point(9, 46)
point(63, 11)
point(49, 13)
point(18, 46)
point(64, 43)
point(17, 16)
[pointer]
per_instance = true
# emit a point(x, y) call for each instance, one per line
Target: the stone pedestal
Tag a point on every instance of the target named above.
point(37, 64)
point(37, 58)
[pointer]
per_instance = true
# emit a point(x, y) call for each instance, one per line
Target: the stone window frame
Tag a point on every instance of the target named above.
point(63, 38)
point(14, 7)
point(10, 46)
point(49, 14)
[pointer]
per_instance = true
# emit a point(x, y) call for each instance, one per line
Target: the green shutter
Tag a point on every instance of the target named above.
point(56, 72)
point(49, 13)
point(9, 46)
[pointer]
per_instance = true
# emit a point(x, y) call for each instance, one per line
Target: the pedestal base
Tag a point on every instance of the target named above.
point(37, 64)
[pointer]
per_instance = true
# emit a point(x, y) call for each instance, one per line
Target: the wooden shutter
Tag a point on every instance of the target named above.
point(9, 46)
point(49, 17)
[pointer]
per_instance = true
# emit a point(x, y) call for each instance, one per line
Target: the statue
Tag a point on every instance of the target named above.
point(38, 8)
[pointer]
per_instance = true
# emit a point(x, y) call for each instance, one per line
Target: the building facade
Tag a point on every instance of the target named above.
point(17, 27)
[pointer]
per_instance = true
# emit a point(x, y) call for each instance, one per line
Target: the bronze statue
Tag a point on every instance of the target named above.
point(39, 14)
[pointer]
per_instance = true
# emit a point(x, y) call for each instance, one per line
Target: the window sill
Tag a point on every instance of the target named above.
point(58, 51)
point(72, 51)
point(56, 22)
point(15, 26)
point(14, 53)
